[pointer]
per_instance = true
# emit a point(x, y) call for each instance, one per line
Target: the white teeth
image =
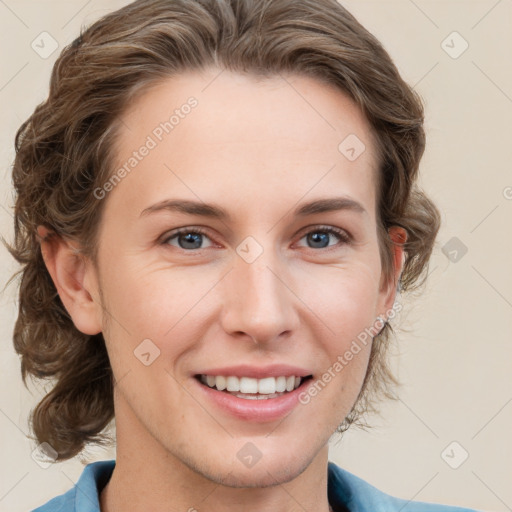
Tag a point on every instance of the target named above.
point(267, 386)
point(280, 384)
point(248, 385)
point(220, 383)
point(270, 387)
point(233, 384)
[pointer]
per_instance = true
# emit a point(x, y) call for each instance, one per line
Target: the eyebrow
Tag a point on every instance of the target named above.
point(329, 205)
point(216, 212)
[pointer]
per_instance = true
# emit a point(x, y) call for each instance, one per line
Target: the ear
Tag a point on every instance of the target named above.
point(75, 278)
point(388, 290)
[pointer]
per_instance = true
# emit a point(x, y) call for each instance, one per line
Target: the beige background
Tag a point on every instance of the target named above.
point(455, 361)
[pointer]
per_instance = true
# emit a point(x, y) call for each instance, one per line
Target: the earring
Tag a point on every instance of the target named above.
point(383, 322)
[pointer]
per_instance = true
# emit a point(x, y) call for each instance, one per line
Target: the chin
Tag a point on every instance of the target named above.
point(265, 473)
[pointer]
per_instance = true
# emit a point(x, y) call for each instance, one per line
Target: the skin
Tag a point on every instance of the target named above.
point(258, 149)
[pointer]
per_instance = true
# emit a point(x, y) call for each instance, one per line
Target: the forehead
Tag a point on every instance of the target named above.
point(214, 134)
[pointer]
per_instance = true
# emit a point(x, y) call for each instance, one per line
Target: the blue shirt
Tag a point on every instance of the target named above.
point(346, 493)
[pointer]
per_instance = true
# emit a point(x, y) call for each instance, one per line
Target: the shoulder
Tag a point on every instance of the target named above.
point(349, 493)
point(84, 495)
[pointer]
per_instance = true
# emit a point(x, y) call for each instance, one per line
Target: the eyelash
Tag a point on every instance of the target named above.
point(344, 237)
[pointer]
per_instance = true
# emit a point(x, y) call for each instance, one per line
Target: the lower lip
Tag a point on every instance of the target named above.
point(269, 409)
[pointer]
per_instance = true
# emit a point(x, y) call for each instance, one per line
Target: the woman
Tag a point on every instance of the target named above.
point(216, 207)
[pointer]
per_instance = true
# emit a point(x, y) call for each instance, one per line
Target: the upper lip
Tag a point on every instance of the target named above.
point(255, 372)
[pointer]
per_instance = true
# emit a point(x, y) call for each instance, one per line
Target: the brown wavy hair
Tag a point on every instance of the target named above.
point(63, 152)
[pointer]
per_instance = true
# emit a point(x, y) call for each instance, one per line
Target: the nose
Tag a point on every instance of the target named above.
point(259, 303)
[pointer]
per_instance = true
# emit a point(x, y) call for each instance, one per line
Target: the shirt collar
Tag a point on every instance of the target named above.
point(93, 479)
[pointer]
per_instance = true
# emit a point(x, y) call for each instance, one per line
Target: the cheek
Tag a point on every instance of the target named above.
point(344, 300)
point(151, 296)
point(164, 305)
point(344, 296)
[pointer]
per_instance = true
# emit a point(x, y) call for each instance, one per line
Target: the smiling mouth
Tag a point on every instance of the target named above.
point(251, 388)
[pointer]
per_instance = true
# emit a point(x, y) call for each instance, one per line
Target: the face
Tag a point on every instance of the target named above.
point(255, 280)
